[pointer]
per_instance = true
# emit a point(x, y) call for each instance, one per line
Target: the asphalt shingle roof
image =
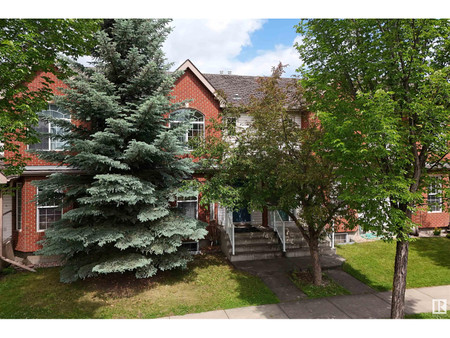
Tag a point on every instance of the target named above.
point(239, 88)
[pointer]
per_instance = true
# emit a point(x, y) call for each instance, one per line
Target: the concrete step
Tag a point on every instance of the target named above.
point(257, 248)
point(255, 241)
point(255, 235)
point(254, 256)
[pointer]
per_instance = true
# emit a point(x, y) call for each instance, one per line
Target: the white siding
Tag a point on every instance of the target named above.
point(7, 216)
point(243, 121)
point(256, 217)
point(221, 215)
point(297, 118)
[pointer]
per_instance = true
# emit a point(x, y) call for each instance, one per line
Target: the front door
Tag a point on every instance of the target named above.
point(242, 216)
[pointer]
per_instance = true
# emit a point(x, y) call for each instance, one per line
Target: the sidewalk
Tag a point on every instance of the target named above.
point(365, 305)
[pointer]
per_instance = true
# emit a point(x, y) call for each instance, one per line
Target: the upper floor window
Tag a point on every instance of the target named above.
point(47, 129)
point(434, 199)
point(197, 123)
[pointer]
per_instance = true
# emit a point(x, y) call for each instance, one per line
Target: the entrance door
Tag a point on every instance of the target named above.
point(242, 216)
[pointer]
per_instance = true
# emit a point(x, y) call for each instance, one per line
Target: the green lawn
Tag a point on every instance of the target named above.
point(373, 262)
point(329, 288)
point(211, 283)
point(428, 315)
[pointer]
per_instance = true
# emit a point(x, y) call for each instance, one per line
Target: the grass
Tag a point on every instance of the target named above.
point(210, 283)
point(428, 315)
point(303, 280)
point(373, 262)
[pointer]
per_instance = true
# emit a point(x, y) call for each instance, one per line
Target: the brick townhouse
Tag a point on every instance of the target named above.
point(25, 222)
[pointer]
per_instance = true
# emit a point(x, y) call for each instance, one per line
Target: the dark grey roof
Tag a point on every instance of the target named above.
point(239, 88)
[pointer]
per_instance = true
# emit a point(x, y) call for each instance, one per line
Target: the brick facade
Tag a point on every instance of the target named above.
point(188, 86)
point(26, 239)
point(35, 85)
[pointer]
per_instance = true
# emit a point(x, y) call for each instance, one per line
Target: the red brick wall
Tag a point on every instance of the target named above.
point(431, 219)
point(188, 86)
point(34, 85)
point(25, 240)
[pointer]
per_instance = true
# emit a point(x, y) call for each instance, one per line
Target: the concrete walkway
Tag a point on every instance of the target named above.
point(367, 305)
point(364, 302)
point(274, 273)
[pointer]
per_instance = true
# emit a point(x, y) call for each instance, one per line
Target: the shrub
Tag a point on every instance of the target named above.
point(448, 235)
point(437, 232)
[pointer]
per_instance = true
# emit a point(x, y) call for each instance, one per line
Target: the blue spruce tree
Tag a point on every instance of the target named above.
point(129, 163)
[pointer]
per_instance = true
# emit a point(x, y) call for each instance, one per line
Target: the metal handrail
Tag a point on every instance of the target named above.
point(229, 228)
point(280, 229)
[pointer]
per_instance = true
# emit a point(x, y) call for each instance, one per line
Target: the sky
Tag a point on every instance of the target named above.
point(242, 46)
point(233, 35)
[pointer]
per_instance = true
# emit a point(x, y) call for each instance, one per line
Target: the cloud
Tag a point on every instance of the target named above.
point(266, 59)
point(214, 45)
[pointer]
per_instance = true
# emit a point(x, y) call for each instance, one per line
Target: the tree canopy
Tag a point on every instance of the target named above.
point(381, 90)
point(274, 162)
point(29, 46)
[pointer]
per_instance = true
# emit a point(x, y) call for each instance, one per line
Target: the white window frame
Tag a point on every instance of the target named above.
point(186, 135)
point(345, 234)
point(190, 201)
point(43, 207)
point(49, 128)
point(430, 193)
point(19, 187)
point(197, 251)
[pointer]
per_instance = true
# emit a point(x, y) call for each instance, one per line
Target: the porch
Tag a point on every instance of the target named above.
point(248, 239)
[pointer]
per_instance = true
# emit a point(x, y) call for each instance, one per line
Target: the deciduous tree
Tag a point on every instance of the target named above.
point(274, 163)
point(29, 46)
point(381, 89)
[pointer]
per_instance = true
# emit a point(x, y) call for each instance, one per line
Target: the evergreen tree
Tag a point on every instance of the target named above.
point(130, 163)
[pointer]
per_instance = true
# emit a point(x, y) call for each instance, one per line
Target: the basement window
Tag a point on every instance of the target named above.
point(191, 246)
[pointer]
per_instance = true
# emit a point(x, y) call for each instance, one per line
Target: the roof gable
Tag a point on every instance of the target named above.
point(189, 65)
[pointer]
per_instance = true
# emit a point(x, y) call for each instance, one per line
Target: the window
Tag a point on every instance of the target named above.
point(45, 128)
point(188, 206)
point(197, 120)
point(47, 213)
point(341, 238)
point(19, 206)
point(434, 200)
point(191, 246)
point(284, 216)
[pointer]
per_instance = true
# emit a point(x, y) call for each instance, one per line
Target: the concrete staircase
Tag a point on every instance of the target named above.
point(265, 244)
point(296, 245)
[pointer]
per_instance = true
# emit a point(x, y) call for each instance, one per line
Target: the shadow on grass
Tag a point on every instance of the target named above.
point(208, 284)
point(358, 274)
point(436, 249)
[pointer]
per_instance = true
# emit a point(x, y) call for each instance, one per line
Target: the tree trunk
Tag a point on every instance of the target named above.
point(265, 217)
point(399, 285)
point(316, 268)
